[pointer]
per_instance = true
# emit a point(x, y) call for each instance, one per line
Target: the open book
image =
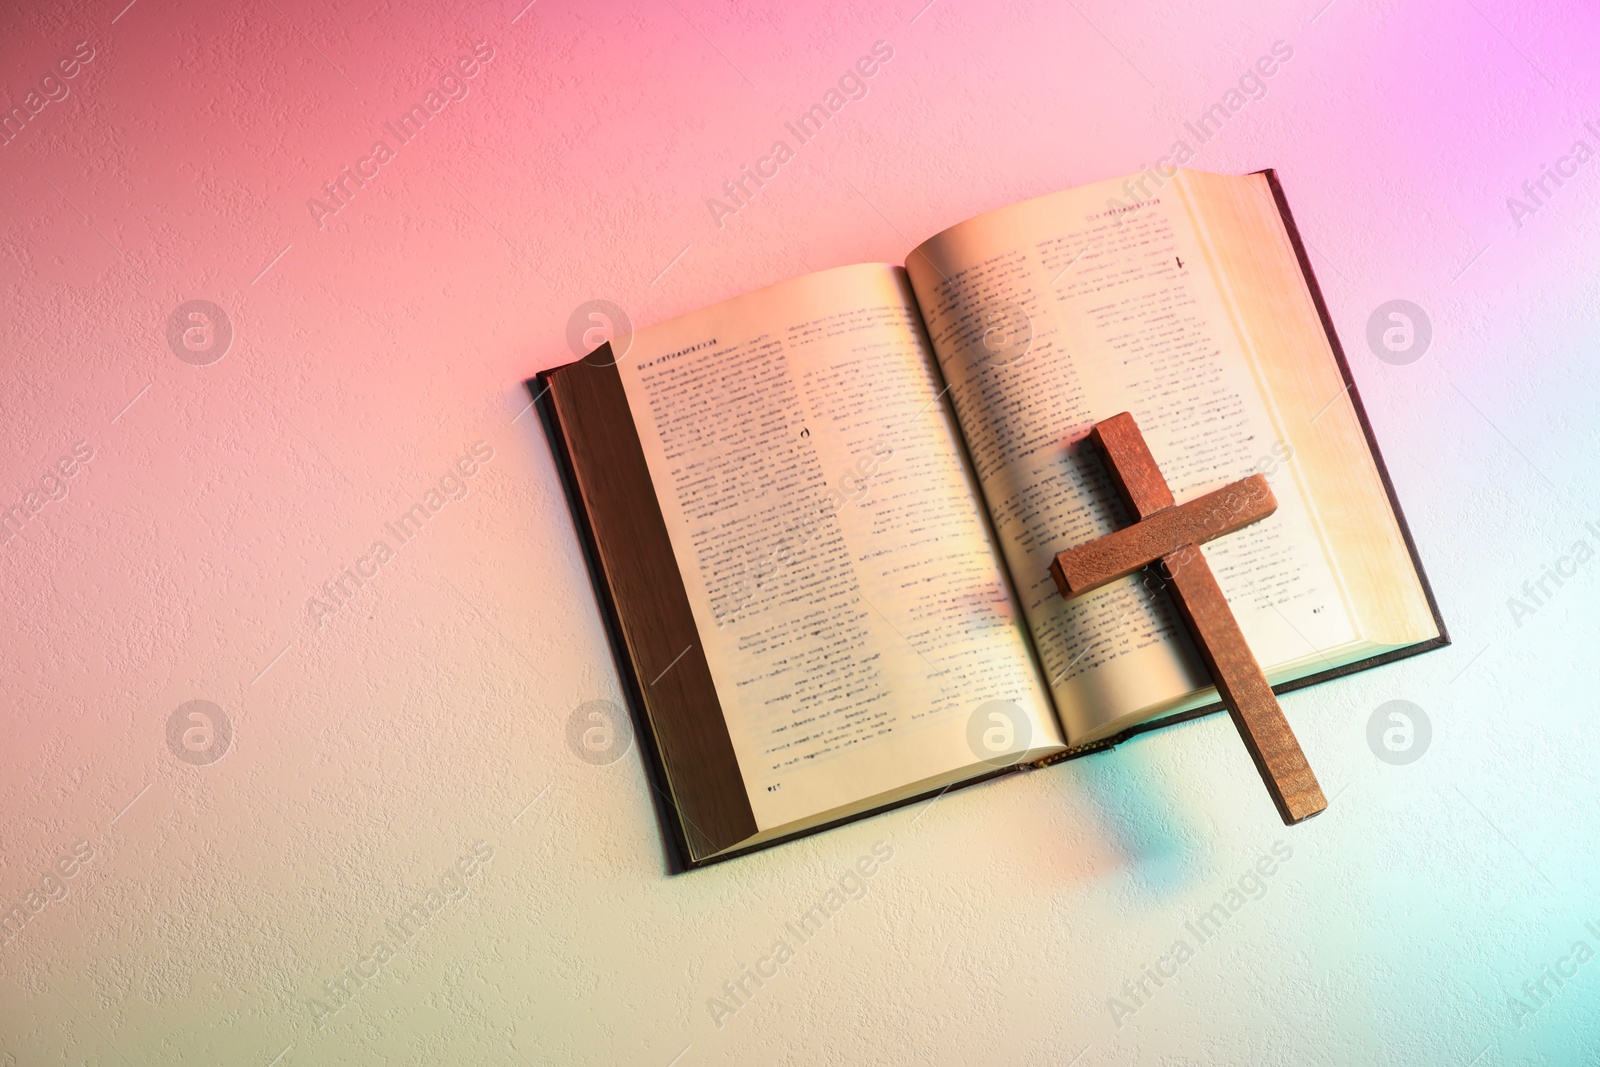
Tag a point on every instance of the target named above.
point(821, 515)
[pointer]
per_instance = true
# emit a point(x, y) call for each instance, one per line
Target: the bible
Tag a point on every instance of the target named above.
point(820, 517)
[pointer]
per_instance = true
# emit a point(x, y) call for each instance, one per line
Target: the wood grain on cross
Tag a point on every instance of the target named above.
point(1171, 533)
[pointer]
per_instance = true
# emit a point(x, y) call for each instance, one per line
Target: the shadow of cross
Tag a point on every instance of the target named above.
point(1171, 533)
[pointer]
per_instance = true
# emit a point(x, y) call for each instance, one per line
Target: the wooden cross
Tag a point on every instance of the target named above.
point(1171, 533)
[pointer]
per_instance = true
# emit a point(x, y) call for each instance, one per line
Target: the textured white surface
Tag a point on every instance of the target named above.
point(372, 750)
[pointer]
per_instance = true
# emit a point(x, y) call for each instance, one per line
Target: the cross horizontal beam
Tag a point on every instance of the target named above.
point(1162, 533)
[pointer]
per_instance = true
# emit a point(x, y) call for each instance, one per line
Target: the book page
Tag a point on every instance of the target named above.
point(1313, 406)
point(1050, 315)
point(843, 579)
